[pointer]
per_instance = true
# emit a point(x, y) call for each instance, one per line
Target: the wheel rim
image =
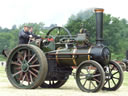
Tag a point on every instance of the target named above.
point(58, 30)
point(24, 67)
point(89, 78)
point(114, 77)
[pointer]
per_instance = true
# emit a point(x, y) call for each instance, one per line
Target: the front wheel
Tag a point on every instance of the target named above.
point(114, 77)
point(90, 76)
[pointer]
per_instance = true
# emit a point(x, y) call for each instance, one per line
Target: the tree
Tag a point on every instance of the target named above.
point(14, 27)
point(115, 30)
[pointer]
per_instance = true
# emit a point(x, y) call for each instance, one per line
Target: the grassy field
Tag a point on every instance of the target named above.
point(125, 83)
point(69, 89)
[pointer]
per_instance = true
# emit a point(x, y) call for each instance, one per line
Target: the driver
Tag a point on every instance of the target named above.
point(25, 34)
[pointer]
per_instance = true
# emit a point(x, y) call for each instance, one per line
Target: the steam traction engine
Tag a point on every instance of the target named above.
point(48, 62)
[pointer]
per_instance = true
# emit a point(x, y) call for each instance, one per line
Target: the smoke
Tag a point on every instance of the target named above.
point(83, 14)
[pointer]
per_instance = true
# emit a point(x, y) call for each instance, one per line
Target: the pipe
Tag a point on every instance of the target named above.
point(99, 26)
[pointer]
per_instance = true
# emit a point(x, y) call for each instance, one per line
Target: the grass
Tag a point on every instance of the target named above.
point(3, 77)
point(125, 83)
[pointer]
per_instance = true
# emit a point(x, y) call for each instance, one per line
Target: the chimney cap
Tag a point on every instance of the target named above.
point(99, 10)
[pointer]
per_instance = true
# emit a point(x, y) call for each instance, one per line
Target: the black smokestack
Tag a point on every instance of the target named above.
point(99, 26)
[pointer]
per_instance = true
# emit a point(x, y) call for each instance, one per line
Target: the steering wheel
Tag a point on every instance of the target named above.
point(58, 33)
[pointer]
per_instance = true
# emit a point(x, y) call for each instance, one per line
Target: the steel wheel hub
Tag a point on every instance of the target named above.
point(25, 66)
point(89, 76)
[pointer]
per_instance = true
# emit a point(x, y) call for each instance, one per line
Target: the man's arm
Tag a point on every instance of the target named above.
point(37, 37)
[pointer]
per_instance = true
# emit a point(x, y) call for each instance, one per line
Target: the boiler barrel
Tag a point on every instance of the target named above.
point(71, 57)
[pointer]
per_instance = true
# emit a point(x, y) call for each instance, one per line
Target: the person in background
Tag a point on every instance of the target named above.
point(85, 35)
point(84, 31)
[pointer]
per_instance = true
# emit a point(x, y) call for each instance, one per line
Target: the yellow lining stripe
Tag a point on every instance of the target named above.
point(57, 60)
point(73, 56)
point(89, 50)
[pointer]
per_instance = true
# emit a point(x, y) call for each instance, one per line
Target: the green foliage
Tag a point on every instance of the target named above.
point(115, 31)
point(9, 39)
point(2, 58)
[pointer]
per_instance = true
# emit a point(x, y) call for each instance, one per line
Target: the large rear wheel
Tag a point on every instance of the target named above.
point(26, 66)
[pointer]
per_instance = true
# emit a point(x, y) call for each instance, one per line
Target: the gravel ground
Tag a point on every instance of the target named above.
point(69, 89)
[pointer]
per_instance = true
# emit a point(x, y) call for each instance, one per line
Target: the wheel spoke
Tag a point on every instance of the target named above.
point(113, 81)
point(31, 78)
point(24, 78)
point(90, 85)
point(36, 65)
point(97, 75)
point(85, 82)
point(112, 69)
point(28, 78)
point(105, 82)
point(93, 84)
point(19, 61)
point(35, 70)
point(82, 74)
point(115, 73)
point(87, 70)
point(33, 74)
point(18, 68)
point(21, 76)
point(34, 61)
point(31, 58)
point(25, 55)
point(82, 78)
point(20, 55)
point(29, 54)
point(16, 73)
point(116, 78)
point(95, 71)
point(15, 63)
point(109, 83)
point(96, 80)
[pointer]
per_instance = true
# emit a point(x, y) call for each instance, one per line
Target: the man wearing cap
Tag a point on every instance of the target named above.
point(24, 35)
